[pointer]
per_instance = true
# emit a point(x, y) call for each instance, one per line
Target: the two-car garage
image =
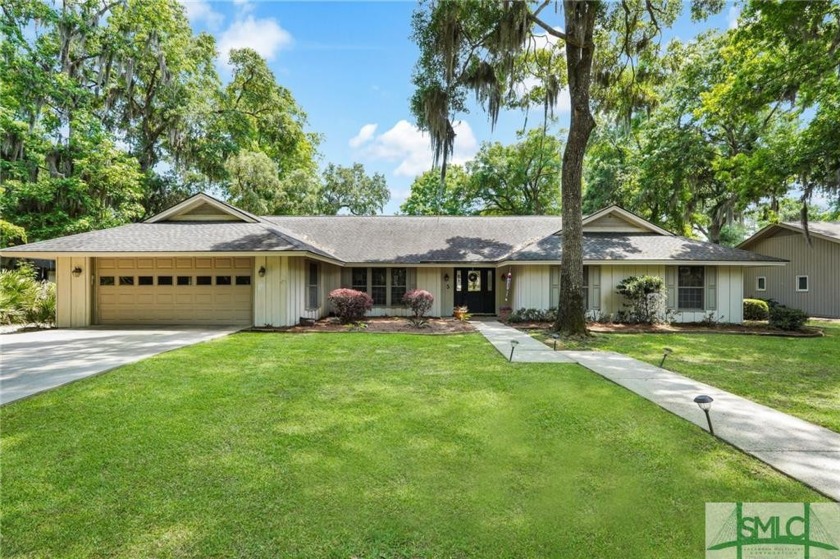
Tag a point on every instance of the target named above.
point(174, 290)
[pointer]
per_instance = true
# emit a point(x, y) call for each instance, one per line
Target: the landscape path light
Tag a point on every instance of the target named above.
point(665, 353)
point(555, 337)
point(705, 403)
point(513, 344)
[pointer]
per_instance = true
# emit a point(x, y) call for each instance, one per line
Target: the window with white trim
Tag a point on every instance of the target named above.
point(761, 283)
point(359, 279)
point(691, 281)
point(585, 291)
point(379, 286)
point(802, 283)
point(399, 284)
point(386, 286)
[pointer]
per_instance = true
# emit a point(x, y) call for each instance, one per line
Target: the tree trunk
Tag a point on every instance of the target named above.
point(580, 24)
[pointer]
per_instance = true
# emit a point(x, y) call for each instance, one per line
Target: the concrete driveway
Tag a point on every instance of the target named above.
point(31, 362)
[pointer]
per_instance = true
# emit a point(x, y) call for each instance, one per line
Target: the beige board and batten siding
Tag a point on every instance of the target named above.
point(537, 287)
point(820, 262)
point(216, 302)
point(281, 292)
point(73, 294)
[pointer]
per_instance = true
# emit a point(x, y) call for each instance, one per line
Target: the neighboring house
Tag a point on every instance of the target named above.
point(811, 281)
point(206, 262)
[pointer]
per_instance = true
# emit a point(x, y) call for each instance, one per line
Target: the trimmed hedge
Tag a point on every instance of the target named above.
point(786, 318)
point(533, 315)
point(756, 309)
point(350, 305)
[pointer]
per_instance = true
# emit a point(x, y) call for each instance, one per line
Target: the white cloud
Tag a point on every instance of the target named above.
point(732, 16)
point(263, 35)
point(410, 148)
point(202, 11)
point(366, 132)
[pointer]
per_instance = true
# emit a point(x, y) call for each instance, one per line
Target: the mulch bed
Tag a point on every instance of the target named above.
point(756, 329)
point(381, 325)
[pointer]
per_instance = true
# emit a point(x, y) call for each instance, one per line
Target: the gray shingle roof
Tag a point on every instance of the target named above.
point(416, 240)
point(407, 240)
point(825, 228)
point(613, 246)
point(173, 237)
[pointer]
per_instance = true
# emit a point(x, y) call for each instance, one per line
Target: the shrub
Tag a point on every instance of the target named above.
point(350, 305)
point(646, 297)
point(756, 309)
point(533, 315)
point(419, 301)
point(24, 299)
point(787, 318)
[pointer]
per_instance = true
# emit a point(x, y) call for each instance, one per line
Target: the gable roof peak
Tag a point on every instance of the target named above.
point(203, 207)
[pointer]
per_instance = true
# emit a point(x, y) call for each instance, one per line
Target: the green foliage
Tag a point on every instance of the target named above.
point(787, 318)
point(756, 309)
point(112, 111)
point(352, 189)
point(427, 197)
point(11, 234)
point(24, 299)
point(533, 315)
point(646, 297)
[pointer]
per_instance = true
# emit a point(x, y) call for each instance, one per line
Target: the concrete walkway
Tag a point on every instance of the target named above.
point(32, 362)
point(800, 449)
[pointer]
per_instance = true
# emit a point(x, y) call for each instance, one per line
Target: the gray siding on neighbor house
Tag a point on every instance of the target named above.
point(820, 262)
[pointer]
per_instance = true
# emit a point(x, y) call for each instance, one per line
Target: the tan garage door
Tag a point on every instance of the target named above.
point(174, 290)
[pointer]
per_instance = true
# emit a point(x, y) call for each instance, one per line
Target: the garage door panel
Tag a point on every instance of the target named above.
point(127, 302)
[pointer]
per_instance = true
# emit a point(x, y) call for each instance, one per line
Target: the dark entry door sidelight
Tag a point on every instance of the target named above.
point(475, 288)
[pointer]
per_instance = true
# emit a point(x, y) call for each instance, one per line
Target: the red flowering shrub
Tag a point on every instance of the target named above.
point(350, 305)
point(419, 301)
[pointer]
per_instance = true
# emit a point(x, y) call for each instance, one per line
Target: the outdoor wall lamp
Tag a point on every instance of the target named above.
point(705, 403)
point(665, 353)
point(446, 278)
point(77, 271)
point(513, 344)
point(261, 271)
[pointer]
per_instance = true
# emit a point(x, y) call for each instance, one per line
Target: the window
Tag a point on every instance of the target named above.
point(690, 287)
point(204, 280)
point(586, 287)
point(126, 280)
point(106, 280)
point(312, 286)
point(145, 280)
point(379, 286)
point(761, 283)
point(399, 282)
point(359, 282)
point(184, 280)
point(243, 280)
point(222, 280)
point(164, 280)
point(802, 283)
point(458, 280)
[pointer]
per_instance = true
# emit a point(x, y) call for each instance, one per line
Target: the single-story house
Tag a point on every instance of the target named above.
point(206, 262)
point(811, 281)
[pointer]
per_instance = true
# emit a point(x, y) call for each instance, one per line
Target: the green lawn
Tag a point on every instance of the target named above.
point(799, 376)
point(360, 445)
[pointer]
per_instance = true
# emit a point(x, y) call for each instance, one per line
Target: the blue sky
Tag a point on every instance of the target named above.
point(349, 66)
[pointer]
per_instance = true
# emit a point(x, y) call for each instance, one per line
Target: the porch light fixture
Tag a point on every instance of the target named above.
point(446, 278)
point(665, 353)
point(705, 403)
point(77, 271)
point(555, 337)
point(513, 344)
point(261, 271)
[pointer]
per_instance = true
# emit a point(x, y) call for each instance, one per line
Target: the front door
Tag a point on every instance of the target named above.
point(475, 288)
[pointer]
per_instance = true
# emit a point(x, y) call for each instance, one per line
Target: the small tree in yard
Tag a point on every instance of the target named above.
point(419, 301)
point(646, 296)
point(350, 305)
